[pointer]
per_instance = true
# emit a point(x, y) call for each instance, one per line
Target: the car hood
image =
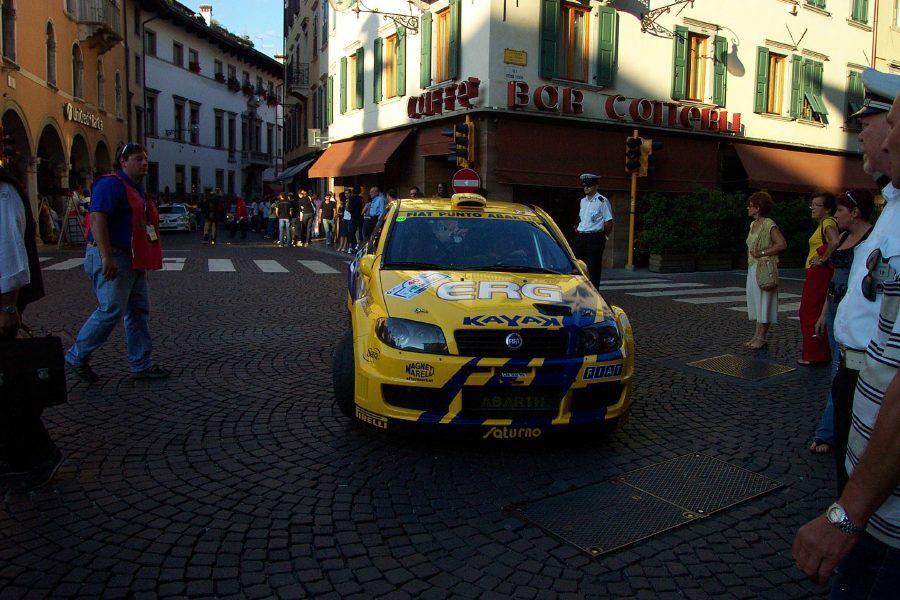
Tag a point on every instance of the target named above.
point(454, 299)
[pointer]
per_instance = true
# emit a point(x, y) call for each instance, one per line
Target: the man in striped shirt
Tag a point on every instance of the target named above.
point(860, 533)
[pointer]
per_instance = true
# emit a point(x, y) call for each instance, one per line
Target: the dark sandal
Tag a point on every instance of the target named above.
point(819, 447)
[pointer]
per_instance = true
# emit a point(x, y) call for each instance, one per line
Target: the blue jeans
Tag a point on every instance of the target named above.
point(871, 571)
point(284, 231)
point(270, 227)
point(328, 225)
point(825, 430)
point(125, 295)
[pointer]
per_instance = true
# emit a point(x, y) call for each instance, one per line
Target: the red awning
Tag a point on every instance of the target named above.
point(358, 157)
point(804, 171)
point(432, 143)
point(554, 154)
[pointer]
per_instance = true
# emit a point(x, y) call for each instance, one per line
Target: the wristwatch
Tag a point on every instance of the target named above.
point(10, 310)
point(837, 516)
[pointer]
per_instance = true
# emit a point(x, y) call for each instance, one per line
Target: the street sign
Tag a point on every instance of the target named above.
point(465, 180)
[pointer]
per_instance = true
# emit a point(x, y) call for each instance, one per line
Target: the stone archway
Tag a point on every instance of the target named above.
point(102, 161)
point(52, 167)
point(20, 159)
point(80, 175)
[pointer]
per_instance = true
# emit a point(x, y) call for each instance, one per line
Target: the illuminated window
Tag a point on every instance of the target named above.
point(696, 67)
point(775, 94)
point(442, 46)
point(573, 55)
point(390, 66)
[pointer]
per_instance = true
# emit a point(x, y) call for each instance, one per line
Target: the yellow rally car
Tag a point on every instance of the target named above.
point(474, 316)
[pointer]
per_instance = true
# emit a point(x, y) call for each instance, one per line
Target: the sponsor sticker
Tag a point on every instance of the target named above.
point(601, 372)
point(372, 354)
point(512, 433)
point(511, 375)
point(486, 290)
point(511, 320)
point(419, 371)
point(416, 285)
point(371, 418)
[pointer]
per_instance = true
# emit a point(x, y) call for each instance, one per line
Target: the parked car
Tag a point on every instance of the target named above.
point(474, 316)
point(176, 217)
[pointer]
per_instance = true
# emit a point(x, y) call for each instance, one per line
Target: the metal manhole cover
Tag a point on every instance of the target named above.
point(742, 367)
point(610, 515)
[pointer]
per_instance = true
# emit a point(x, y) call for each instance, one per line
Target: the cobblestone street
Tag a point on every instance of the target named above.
point(238, 476)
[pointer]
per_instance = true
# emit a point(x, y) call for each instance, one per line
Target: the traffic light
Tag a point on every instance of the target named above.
point(648, 147)
point(462, 147)
point(633, 146)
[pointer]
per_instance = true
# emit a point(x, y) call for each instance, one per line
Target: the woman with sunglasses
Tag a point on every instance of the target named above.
point(853, 211)
point(822, 243)
point(764, 239)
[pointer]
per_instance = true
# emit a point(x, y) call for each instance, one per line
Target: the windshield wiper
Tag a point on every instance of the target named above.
point(400, 264)
point(511, 269)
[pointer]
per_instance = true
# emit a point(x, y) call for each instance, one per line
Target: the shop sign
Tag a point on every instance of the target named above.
point(548, 98)
point(515, 57)
point(74, 113)
point(671, 114)
point(443, 99)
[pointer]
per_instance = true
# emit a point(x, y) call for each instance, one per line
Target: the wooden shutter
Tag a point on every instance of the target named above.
point(720, 74)
point(760, 102)
point(550, 15)
point(329, 101)
point(607, 46)
point(861, 10)
point(360, 77)
point(817, 71)
point(454, 42)
point(343, 84)
point(425, 53)
point(679, 63)
point(855, 94)
point(796, 86)
point(378, 70)
point(400, 61)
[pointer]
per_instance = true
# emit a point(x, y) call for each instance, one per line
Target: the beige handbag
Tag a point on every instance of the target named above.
point(766, 268)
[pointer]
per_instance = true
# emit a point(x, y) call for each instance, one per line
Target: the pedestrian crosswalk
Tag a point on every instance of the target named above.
point(698, 294)
point(211, 265)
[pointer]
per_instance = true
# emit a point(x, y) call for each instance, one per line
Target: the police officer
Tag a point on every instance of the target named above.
point(594, 226)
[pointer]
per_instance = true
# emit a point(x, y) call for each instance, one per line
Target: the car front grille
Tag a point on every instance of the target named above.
point(536, 343)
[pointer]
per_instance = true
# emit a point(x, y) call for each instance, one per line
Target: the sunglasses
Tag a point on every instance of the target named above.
point(129, 149)
point(872, 283)
point(851, 199)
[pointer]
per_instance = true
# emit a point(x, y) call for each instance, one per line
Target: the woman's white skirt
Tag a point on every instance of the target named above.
point(762, 305)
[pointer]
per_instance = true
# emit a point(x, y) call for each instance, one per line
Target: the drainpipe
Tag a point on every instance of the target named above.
point(874, 36)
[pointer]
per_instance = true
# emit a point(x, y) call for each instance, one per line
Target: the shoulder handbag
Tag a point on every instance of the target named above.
point(766, 267)
point(33, 370)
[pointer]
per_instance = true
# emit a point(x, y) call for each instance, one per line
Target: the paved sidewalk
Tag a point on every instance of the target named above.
point(238, 477)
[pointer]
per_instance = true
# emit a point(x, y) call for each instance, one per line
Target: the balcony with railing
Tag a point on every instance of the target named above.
point(298, 79)
point(256, 159)
point(100, 23)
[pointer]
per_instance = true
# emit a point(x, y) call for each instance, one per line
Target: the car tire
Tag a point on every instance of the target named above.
point(344, 375)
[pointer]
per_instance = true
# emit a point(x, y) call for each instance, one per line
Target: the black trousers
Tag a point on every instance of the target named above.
point(24, 441)
point(842, 389)
point(589, 248)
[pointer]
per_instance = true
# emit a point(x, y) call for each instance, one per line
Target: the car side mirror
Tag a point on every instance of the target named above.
point(582, 266)
point(366, 262)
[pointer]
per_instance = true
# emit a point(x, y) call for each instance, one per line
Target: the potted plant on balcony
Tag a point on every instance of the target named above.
point(248, 89)
point(233, 84)
point(220, 77)
point(194, 67)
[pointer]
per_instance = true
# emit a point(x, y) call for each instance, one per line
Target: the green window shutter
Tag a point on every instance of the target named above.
point(863, 11)
point(761, 97)
point(550, 15)
point(343, 84)
point(607, 46)
point(400, 51)
point(453, 51)
point(855, 94)
point(818, 71)
point(679, 63)
point(796, 86)
point(720, 75)
point(360, 77)
point(329, 101)
point(378, 70)
point(425, 53)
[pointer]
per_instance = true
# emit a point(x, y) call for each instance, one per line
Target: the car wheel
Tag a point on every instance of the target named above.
point(344, 375)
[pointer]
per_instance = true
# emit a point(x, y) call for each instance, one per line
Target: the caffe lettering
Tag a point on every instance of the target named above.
point(443, 99)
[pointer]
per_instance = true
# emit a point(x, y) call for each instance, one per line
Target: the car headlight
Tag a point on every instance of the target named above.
point(598, 339)
point(412, 336)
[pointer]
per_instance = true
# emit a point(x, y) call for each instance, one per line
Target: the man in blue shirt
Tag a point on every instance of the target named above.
point(376, 209)
point(110, 260)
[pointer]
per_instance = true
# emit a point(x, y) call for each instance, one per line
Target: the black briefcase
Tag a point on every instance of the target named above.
point(33, 370)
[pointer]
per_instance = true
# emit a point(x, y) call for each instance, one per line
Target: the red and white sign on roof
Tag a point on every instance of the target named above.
point(465, 181)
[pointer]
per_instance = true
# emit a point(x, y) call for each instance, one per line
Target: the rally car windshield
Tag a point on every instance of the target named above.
point(475, 242)
point(171, 210)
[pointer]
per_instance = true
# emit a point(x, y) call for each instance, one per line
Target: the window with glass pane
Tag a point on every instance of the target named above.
point(574, 51)
point(150, 42)
point(696, 67)
point(442, 46)
point(150, 103)
point(390, 66)
point(179, 121)
point(177, 54)
point(220, 132)
point(775, 96)
point(194, 124)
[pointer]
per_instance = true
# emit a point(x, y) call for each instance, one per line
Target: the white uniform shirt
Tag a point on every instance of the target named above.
point(14, 273)
point(594, 213)
point(857, 318)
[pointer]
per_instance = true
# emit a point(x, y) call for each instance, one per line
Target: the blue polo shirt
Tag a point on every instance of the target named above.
point(108, 196)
